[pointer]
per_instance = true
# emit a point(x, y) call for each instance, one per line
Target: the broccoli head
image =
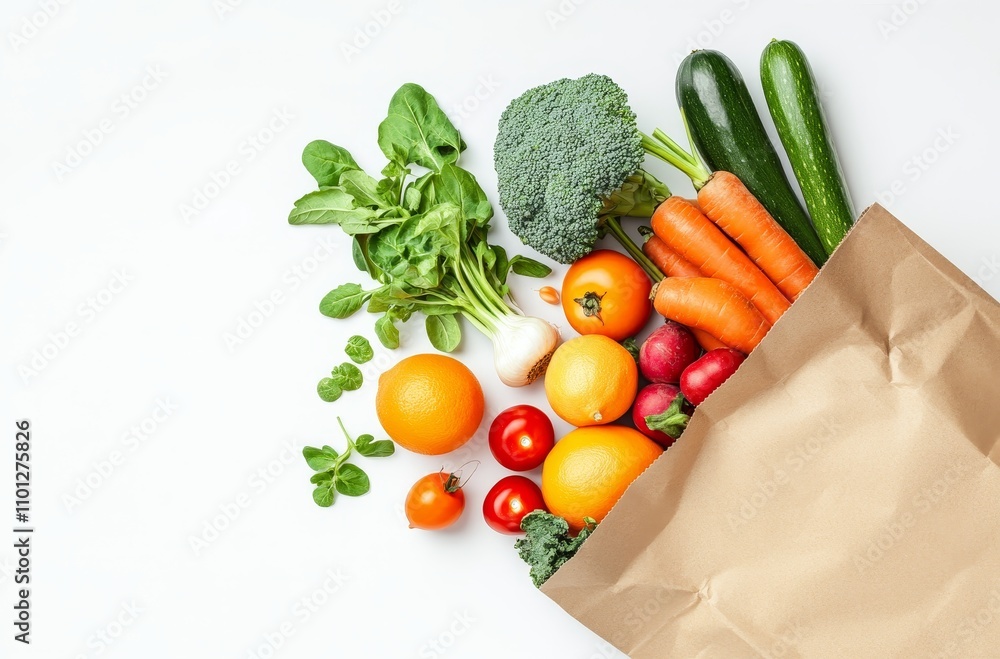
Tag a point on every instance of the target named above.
point(568, 157)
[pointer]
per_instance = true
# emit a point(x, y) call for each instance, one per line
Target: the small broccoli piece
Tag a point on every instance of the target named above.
point(568, 157)
point(547, 543)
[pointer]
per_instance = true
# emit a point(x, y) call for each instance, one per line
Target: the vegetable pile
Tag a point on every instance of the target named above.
point(720, 269)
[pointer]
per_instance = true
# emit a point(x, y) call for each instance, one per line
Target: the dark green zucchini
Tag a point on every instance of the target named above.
point(729, 135)
point(793, 100)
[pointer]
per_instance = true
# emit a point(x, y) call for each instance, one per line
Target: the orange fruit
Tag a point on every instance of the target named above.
point(429, 404)
point(589, 469)
point(591, 380)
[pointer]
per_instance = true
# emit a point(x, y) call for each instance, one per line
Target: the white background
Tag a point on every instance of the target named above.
point(226, 71)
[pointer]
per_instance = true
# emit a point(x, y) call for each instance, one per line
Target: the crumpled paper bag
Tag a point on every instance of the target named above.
point(838, 496)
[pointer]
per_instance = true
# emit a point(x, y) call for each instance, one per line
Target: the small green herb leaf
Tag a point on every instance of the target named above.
point(444, 332)
point(351, 480)
point(319, 459)
point(387, 332)
point(347, 376)
point(371, 449)
point(334, 206)
point(327, 162)
point(359, 349)
point(343, 301)
point(323, 494)
point(321, 477)
point(329, 390)
point(522, 265)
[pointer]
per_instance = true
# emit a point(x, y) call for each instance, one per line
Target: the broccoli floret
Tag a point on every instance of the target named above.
point(568, 157)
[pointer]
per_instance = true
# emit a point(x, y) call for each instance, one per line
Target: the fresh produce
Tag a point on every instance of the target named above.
point(705, 375)
point(687, 230)
point(793, 99)
point(672, 264)
point(520, 437)
point(548, 543)
point(660, 413)
point(424, 240)
point(728, 133)
point(591, 380)
point(430, 403)
point(713, 306)
point(568, 156)
point(667, 352)
point(737, 212)
point(346, 377)
point(359, 350)
point(335, 474)
point(549, 295)
point(590, 468)
point(436, 501)
point(606, 292)
point(509, 501)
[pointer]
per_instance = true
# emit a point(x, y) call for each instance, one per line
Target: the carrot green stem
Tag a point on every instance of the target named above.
point(614, 227)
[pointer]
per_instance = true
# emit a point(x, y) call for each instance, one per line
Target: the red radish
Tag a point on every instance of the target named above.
point(658, 405)
point(667, 352)
point(705, 375)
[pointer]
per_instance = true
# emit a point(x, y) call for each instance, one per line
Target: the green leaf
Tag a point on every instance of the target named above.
point(359, 349)
point(411, 199)
point(319, 459)
point(358, 253)
point(671, 421)
point(502, 266)
point(444, 332)
point(343, 301)
point(526, 267)
point(327, 162)
point(416, 130)
point(347, 376)
point(387, 332)
point(323, 494)
point(438, 309)
point(371, 449)
point(334, 206)
point(351, 480)
point(364, 190)
point(457, 186)
point(321, 477)
point(329, 390)
point(412, 253)
point(633, 348)
point(548, 544)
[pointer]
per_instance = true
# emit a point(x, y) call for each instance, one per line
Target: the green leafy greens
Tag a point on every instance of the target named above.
point(420, 235)
point(334, 474)
point(548, 544)
point(359, 350)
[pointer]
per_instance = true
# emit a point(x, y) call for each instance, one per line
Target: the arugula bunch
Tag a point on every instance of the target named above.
point(419, 230)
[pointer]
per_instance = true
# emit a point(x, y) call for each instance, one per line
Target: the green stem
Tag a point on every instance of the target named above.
point(614, 227)
point(698, 174)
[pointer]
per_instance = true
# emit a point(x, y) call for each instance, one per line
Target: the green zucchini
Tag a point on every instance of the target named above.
point(728, 133)
point(792, 98)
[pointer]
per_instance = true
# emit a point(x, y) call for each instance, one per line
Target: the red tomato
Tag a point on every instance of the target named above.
point(521, 437)
point(509, 501)
point(607, 293)
point(435, 501)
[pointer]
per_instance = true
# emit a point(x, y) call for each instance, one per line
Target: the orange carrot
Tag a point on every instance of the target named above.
point(713, 306)
point(686, 230)
point(728, 203)
point(667, 259)
point(673, 264)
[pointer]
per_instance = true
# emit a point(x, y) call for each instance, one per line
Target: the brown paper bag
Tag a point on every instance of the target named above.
point(838, 496)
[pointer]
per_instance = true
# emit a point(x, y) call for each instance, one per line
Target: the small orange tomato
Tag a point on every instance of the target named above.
point(607, 293)
point(435, 501)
